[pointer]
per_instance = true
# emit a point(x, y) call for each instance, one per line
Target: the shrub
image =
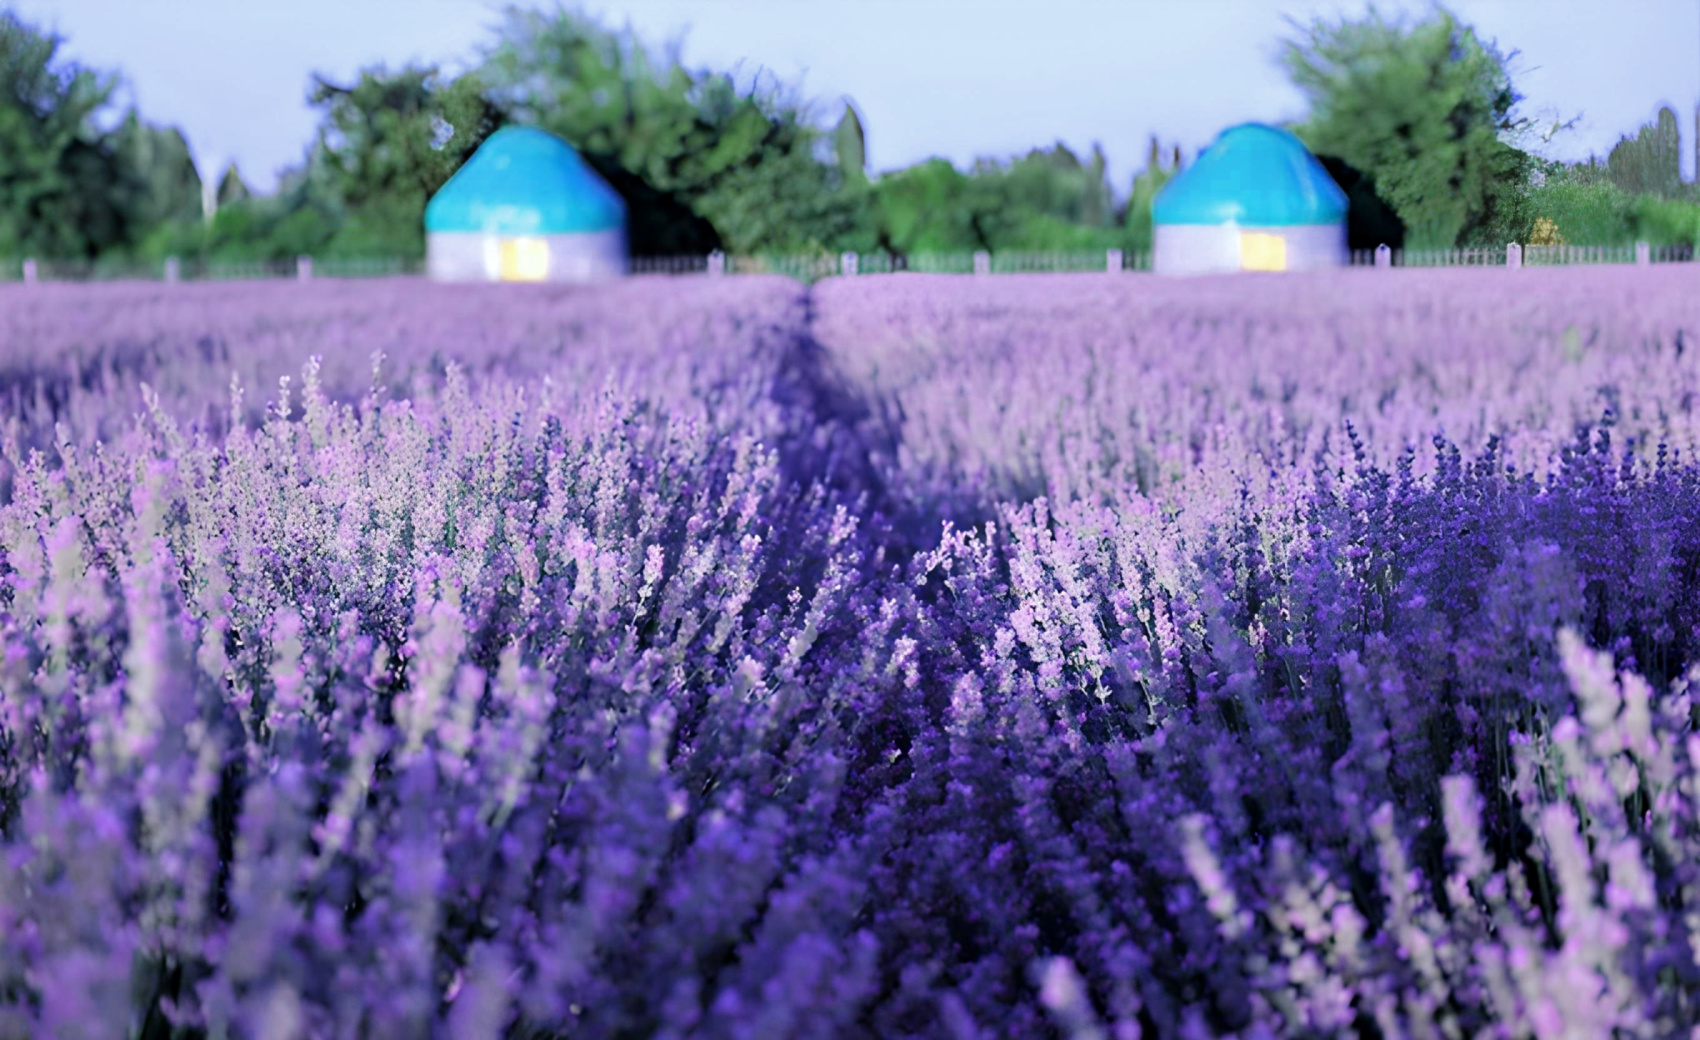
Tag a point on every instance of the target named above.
point(1596, 213)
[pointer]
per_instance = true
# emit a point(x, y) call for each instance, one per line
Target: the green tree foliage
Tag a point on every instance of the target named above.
point(1146, 184)
point(1649, 163)
point(1426, 110)
point(1585, 206)
point(232, 189)
point(302, 217)
point(747, 160)
point(1666, 222)
point(71, 188)
point(788, 202)
point(159, 157)
point(64, 191)
point(931, 207)
point(850, 146)
point(296, 220)
point(1588, 207)
point(388, 142)
point(385, 144)
point(1045, 200)
point(1098, 205)
point(170, 217)
point(1052, 183)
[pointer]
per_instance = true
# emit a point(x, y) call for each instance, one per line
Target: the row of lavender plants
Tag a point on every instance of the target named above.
point(80, 354)
point(1312, 573)
point(907, 656)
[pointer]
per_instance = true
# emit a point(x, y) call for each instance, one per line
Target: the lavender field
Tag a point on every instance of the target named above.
point(1083, 656)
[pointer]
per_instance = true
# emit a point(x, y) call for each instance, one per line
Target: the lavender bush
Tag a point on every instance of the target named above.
point(909, 656)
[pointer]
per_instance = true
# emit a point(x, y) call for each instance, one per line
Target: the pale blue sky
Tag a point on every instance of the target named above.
point(957, 78)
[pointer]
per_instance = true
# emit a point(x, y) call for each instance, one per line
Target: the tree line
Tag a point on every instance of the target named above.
point(1418, 120)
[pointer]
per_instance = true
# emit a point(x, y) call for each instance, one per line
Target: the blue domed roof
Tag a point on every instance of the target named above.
point(1253, 175)
point(523, 181)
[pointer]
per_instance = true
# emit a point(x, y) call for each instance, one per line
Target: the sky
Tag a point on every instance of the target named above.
point(952, 78)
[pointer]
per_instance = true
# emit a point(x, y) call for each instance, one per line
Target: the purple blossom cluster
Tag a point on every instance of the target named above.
point(1063, 656)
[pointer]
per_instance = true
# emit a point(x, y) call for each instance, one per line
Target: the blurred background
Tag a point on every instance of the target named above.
point(260, 131)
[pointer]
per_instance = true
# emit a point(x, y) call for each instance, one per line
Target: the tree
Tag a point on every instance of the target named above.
point(168, 218)
point(159, 157)
point(1649, 163)
point(232, 189)
point(931, 207)
point(302, 217)
point(387, 142)
point(789, 201)
point(1146, 184)
point(1053, 183)
point(744, 159)
point(64, 191)
point(1047, 200)
point(850, 146)
point(1427, 111)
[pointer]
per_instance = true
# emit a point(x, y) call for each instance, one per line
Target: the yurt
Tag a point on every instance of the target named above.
point(1256, 200)
point(525, 208)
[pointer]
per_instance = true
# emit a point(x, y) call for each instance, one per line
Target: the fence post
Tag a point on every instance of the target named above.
point(1113, 261)
point(1383, 256)
point(173, 270)
point(847, 263)
point(717, 263)
point(303, 268)
point(982, 262)
point(1643, 254)
point(1514, 256)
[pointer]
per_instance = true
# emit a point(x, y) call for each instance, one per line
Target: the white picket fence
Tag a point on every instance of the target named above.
point(815, 267)
point(808, 268)
point(811, 268)
point(1524, 256)
point(173, 269)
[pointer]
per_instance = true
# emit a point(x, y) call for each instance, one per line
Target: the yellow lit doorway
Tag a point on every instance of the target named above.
point(524, 259)
point(1262, 252)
